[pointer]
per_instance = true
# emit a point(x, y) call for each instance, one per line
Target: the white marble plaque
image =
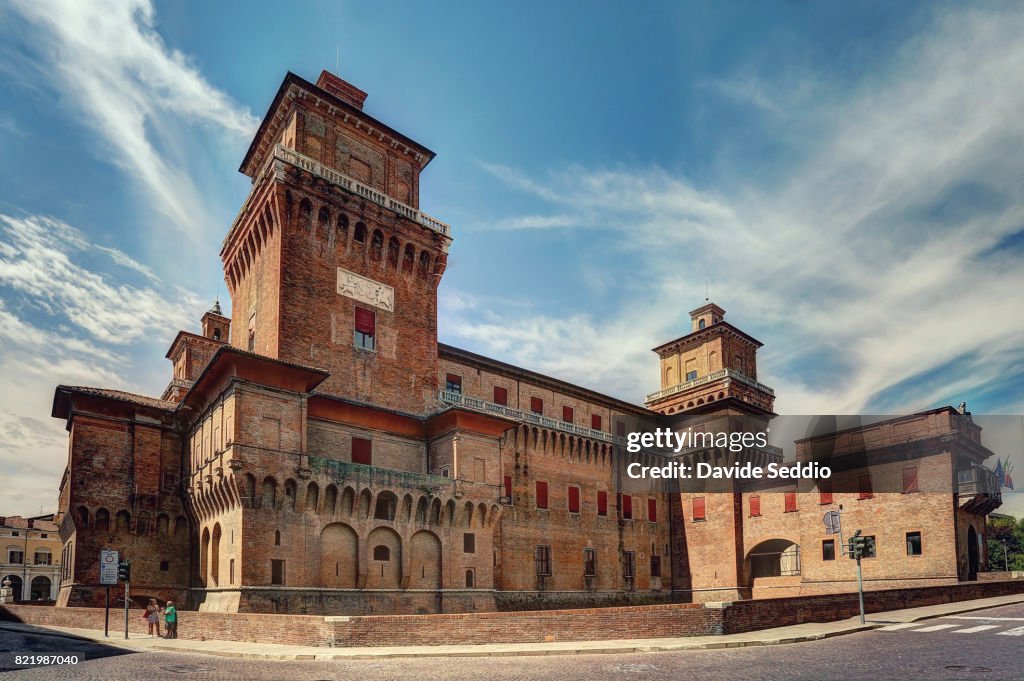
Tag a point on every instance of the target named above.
point(366, 290)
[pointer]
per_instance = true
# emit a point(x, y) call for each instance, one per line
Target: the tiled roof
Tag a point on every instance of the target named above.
point(120, 395)
point(18, 522)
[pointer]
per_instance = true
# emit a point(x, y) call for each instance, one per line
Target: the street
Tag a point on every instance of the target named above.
point(985, 644)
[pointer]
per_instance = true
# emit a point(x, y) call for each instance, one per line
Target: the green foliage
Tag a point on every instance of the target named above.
point(1010, 531)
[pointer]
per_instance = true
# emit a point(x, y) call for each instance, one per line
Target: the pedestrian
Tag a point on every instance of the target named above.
point(153, 616)
point(171, 619)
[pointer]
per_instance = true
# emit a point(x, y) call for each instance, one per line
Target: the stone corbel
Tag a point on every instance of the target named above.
point(305, 473)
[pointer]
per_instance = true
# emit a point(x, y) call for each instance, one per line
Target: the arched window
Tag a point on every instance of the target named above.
point(103, 520)
point(470, 579)
point(323, 223)
point(393, 252)
point(409, 259)
point(359, 236)
point(277, 537)
point(83, 517)
point(306, 214)
point(124, 520)
point(381, 552)
point(290, 489)
point(424, 264)
point(377, 245)
point(216, 334)
point(385, 507)
point(700, 324)
point(342, 235)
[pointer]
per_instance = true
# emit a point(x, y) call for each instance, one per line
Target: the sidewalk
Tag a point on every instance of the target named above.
point(263, 651)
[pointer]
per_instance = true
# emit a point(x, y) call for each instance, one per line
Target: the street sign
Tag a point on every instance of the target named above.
point(108, 567)
point(831, 520)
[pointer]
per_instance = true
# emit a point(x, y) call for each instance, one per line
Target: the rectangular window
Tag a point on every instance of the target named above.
point(626, 506)
point(595, 422)
point(453, 383)
point(567, 414)
point(542, 557)
point(589, 563)
point(913, 543)
point(42, 557)
point(536, 405)
point(691, 375)
point(699, 511)
point(231, 571)
point(542, 494)
point(755, 506)
point(910, 480)
point(500, 395)
point(825, 492)
point(655, 566)
point(469, 543)
point(15, 557)
point(652, 510)
point(574, 500)
point(362, 451)
point(508, 488)
point(828, 549)
point(165, 565)
point(864, 485)
point(366, 328)
point(629, 565)
point(277, 572)
point(790, 502)
point(602, 502)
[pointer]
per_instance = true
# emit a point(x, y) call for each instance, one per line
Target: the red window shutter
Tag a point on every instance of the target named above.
point(602, 502)
point(454, 379)
point(542, 494)
point(825, 489)
point(365, 321)
point(627, 506)
point(755, 506)
point(909, 480)
point(864, 485)
point(362, 451)
point(595, 421)
point(574, 500)
point(699, 510)
point(536, 405)
point(790, 502)
point(567, 414)
point(652, 510)
point(508, 487)
point(500, 395)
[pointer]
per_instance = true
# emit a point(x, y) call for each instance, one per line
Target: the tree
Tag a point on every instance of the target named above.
point(1008, 531)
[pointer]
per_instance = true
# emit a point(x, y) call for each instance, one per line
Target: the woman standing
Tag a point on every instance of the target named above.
point(153, 616)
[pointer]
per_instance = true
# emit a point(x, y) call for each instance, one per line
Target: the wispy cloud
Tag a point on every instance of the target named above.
point(874, 251)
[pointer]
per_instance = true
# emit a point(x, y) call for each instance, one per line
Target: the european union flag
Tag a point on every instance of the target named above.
point(1000, 474)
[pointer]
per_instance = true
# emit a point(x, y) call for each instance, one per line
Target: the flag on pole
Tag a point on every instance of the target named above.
point(1000, 474)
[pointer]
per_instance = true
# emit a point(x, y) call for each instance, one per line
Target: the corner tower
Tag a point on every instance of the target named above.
point(711, 369)
point(330, 263)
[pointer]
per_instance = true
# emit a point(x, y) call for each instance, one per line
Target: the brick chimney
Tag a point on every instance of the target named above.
point(341, 89)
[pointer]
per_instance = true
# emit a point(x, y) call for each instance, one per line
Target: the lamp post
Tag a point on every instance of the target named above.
point(1006, 562)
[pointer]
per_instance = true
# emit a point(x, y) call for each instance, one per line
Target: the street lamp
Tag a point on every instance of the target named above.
point(1006, 563)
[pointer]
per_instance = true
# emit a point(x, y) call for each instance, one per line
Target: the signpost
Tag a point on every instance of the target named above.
point(108, 577)
point(858, 544)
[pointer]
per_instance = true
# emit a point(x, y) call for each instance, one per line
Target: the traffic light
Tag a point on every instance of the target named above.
point(124, 571)
point(858, 545)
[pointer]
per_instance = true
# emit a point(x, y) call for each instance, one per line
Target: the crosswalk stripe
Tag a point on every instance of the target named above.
point(1018, 631)
point(975, 630)
point(937, 627)
point(897, 627)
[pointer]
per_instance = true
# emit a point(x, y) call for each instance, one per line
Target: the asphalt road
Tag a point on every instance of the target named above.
point(985, 645)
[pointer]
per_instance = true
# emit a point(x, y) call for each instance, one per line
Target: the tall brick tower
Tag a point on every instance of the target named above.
point(330, 263)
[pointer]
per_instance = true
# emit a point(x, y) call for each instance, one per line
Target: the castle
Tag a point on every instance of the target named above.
point(321, 452)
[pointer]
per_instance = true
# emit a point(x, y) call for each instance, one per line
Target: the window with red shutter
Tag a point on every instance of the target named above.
point(602, 502)
point(699, 511)
point(790, 502)
point(595, 422)
point(508, 488)
point(542, 494)
point(362, 451)
point(567, 414)
point(365, 329)
point(825, 489)
point(909, 480)
point(627, 507)
point(500, 395)
point(864, 485)
point(574, 500)
point(536, 405)
point(755, 506)
point(652, 510)
point(453, 383)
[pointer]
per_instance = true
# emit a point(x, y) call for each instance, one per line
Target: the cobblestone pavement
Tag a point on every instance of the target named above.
point(978, 645)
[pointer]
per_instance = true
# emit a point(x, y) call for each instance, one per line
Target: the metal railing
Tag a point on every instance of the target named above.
point(977, 480)
point(713, 376)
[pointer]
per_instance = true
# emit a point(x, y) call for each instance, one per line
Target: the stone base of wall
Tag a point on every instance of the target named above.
point(94, 595)
point(518, 601)
point(336, 602)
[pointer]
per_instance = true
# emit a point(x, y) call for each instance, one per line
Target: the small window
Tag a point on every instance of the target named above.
point(691, 375)
point(701, 324)
point(652, 510)
point(359, 236)
point(381, 553)
point(913, 543)
point(626, 506)
point(365, 329)
point(453, 383)
point(216, 334)
point(602, 503)
point(500, 395)
point(43, 536)
point(15, 534)
point(699, 510)
point(165, 565)
point(864, 486)
point(655, 566)
point(825, 492)
point(790, 502)
point(869, 547)
point(445, 472)
point(277, 572)
point(277, 537)
point(362, 451)
point(574, 499)
point(231, 570)
point(542, 558)
point(508, 488)
point(567, 414)
point(536, 405)
point(542, 494)
point(828, 549)
point(42, 558)
point(470, 579)
point(595, 422)
point(15, 556)
point(755, 506)
point(469, 543)
point(629, 565)
point(589, 563)
point(910, 480)
point(252, 341)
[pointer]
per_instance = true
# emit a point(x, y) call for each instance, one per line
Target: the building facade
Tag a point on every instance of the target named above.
point(320, 451)
point(31, 558)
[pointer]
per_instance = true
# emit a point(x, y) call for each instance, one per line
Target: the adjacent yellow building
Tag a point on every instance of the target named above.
point(30, 551)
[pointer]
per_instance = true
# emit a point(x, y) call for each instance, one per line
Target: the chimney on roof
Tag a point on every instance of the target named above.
point(341, 89)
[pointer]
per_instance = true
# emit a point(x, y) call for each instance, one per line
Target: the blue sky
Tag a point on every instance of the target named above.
point(846, 176)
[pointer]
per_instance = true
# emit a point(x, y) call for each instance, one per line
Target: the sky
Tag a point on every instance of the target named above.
point(843, 178)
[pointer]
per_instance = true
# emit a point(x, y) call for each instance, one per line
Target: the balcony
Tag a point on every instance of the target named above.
point(360, 476)
point(978, 489)
point(474, 404)
point(728, 374)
